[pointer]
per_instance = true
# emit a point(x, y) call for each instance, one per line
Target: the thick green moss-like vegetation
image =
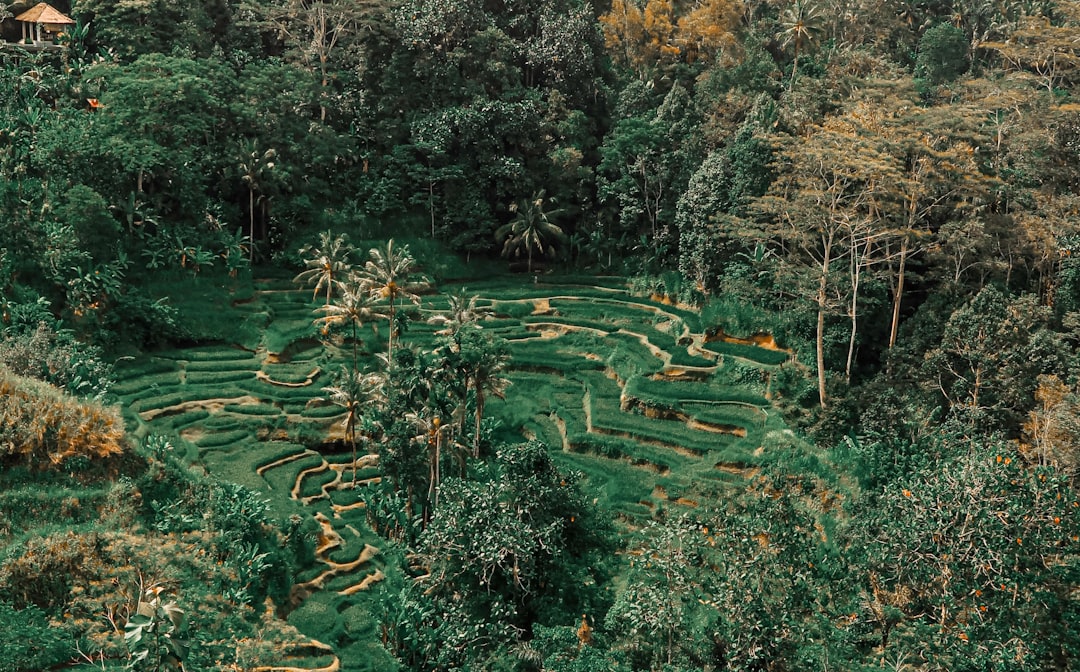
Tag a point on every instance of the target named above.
point(562, 336)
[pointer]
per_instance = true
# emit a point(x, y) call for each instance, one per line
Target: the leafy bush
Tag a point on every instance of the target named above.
point(30, 642)
point(42, 426)
point(53, 355)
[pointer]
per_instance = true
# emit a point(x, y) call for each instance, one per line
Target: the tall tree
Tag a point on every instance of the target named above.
point(254, 166)
point(800, 25)
point(482, 359)
point(386, 273)
point(356, 392)
point(531, 229)
point(316, 30)
point(823, 207)
point(328, 264)
point(355, 306)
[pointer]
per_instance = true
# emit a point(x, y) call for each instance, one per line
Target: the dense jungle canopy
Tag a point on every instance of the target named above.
point(540, 335)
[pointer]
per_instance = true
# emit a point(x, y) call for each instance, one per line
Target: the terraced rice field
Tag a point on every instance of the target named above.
point(629, 391)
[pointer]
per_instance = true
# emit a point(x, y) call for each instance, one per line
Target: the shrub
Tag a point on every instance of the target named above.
point(56, 357)
point(30, 642)
point(41, 426)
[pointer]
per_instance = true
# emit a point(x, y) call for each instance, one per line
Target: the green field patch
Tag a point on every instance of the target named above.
point(753, 353)
point(181, 421)
point(270, 392)
point(242, 362)
point(321, 411)
point(261, 410)
point(210, 378)
point(555, 322)
point(312, 483)
point(212, 353)
point(613, 482)
point(131, 385)
point(661, 392)
point(132, 368)
point(283, 478)
point(220, 439)
point(680, 356)
point(273, 452)
point(627, 355)
point(184, 395)
point(292, 373)
point(281, 333)
point(232, 466)
point(727, 413)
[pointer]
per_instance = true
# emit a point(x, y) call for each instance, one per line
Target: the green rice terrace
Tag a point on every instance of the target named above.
point(654, 408)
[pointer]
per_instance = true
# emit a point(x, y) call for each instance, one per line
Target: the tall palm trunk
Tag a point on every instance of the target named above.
point(251, 224)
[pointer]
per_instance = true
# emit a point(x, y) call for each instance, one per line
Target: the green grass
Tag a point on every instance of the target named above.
point(750, 352)
point(674, 392)
point(224, 438)
point(262, 410)
point(636, 466)
point(223, 365)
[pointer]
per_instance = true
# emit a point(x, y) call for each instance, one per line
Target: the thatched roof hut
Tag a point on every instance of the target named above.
point(41, 19)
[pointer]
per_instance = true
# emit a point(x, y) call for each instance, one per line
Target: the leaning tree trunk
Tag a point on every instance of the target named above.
point(898, 293)
point(479, 417)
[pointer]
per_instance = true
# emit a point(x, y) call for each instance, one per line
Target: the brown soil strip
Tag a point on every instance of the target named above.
point(715, 428)
point(369, 580)
point(329, 539)
point(193, 434)
point(760, 340)
point(339, 482)
point(628, 404)
point(561, 425)
point(681, 450)
point(737, 468)
point(211, 405)
point(338, 508)
point(295, 492)
point(558, 329)
point(310, 379)
point(586, 402)
point(285, 460)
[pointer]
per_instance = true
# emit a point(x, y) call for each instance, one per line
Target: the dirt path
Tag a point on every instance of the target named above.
point(210, 405)
point(310, 379)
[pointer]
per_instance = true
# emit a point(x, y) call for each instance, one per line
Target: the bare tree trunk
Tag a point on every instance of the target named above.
point(820, 338)
point(898, 293)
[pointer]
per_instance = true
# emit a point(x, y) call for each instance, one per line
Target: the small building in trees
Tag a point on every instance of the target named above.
point(42, 23)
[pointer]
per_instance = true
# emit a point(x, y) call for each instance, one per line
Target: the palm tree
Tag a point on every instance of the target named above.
point(326, 264)
point(801, 23)
point(253, 165)
point(531, 229)
point(463, 310)
point(354, 305)
point(385, 275)
point(355, 391)
point(482, 362)
point(432, 430)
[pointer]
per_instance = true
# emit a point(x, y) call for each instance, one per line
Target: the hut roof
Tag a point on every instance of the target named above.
point(43, 13)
